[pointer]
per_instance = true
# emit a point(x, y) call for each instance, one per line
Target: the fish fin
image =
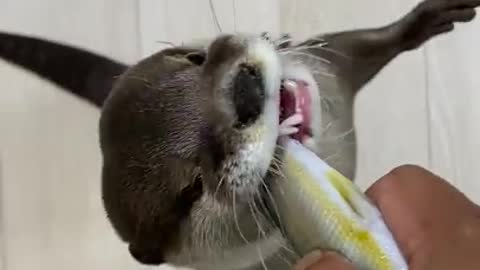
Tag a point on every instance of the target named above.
point(353, 196)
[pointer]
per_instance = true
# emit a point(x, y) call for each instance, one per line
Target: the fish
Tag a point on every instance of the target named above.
point(319, 208)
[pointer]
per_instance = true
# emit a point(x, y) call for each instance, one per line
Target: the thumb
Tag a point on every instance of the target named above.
point(323, 261)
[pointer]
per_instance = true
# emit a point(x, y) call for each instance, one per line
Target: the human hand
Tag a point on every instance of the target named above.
point(435, 225)
point(323, 261)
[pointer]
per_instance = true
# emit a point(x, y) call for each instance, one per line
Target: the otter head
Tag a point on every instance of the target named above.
point(240, 82)
point(188, 136)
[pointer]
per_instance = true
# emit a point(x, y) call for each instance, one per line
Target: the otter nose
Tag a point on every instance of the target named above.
point(248, 94)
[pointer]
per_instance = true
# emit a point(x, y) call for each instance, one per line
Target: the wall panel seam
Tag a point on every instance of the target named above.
point(428, 107)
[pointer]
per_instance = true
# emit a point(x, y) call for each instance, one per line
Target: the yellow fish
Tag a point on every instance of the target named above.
point(319, 208)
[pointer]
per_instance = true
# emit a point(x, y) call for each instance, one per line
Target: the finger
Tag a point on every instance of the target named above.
point(462, 3)
point(420, 187)
point(330, 261)
point(318, 260)
point(443, 28)
point(404, 197)
point(388, 194)
point(457, 15)
point(309, 260)
point(412, 199)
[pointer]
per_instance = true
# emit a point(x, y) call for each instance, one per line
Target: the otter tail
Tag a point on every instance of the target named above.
point(82, 73)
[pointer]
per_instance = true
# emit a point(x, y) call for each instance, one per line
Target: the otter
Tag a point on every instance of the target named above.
point(188, 135)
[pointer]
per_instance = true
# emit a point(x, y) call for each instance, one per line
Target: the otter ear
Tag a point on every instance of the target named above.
point(146, 255)
point(197, 58)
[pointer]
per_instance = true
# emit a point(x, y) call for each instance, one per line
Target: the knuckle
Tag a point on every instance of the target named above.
point(406, 170)
point(395, 179)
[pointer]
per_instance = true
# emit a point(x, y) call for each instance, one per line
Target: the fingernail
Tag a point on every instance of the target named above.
point(332, 254)
point(331, 260)
point(309, 259)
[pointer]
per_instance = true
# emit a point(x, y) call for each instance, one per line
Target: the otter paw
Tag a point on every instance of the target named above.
point(433, 17)
point(287, 127)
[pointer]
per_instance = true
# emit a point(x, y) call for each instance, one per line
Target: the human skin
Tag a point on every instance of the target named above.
point(435, 224)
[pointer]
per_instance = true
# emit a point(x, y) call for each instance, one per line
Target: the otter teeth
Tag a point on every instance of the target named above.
point(287, 127)
point(292, 86)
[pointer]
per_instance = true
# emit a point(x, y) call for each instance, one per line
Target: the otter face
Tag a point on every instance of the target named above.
point(188, 136)
point(241, 82)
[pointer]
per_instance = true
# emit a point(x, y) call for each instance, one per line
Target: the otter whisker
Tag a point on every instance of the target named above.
point(171, 44)
point(273, 204)
point(332, 156)
point(324, 73)
point(338, 53)
point(282, 245)
point(275, 172)
point(261, 234)
point(218, 186)
point(235, 217)
point(282, 41)
point(312, 42)
point(276, 165)
point(214, 16)
point(336, 139)
point(340, 136)
point(262, 260)
point(140, 78)
point(316, 57)
point(281, 147)
point(317, 39)
point(327, 127)
point(305, 47)
point(209, 234)
point(290, 263)
point(203, 234)
point(261, 231)
point(315, 69)
point(276, 157)
point(322, 45)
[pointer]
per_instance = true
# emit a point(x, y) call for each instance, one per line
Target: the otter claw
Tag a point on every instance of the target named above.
point(287, 127)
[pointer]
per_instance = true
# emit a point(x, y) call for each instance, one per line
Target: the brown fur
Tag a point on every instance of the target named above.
point(163, 135)
point(175, 124)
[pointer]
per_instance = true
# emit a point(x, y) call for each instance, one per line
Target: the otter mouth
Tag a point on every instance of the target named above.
point(295, 109)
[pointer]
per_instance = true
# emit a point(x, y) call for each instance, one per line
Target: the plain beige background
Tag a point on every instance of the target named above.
point(422, 109)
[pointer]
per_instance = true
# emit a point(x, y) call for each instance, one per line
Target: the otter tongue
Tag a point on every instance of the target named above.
point(295, 97)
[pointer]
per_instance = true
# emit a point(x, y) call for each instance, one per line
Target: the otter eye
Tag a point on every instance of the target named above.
point(266, 36)
point(197, 58)
point(194, 191)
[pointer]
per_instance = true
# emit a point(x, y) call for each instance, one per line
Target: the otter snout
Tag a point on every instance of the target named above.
point(241, 83)
point(248, 94)
point(242, 75)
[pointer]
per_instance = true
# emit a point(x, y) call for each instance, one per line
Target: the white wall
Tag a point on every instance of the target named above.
point(52, 217)
point(424, 103)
